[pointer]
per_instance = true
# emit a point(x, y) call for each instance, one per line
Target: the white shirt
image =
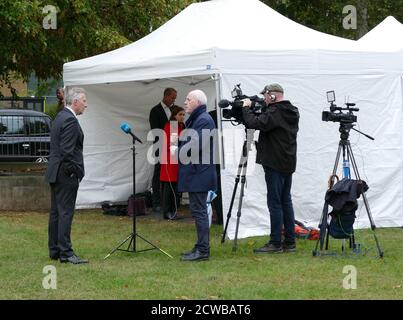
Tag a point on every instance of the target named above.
point(167, 110)
point(72, 111)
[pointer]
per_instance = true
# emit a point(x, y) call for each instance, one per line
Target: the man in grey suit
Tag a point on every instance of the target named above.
point(64, 173)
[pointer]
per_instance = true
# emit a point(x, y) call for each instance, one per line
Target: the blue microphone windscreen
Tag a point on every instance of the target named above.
point(125, 127)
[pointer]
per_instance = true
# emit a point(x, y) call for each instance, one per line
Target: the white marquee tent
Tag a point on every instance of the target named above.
point(386, 36)
point(214, 45)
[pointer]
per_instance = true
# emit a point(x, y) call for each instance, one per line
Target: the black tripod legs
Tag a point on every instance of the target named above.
point(345, 147)
point(239, 213)
point(132, 238)
point(240, 177)
point(230, 208)
point(373, 227)
point(121, 244)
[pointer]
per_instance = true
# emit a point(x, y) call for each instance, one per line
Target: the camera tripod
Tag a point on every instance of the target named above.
point(348, 157)
point(132, 237)
point(241, 176)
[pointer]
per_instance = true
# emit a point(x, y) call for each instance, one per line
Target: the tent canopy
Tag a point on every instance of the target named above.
point(386, 36)
point(190, 43)
point(212, 46)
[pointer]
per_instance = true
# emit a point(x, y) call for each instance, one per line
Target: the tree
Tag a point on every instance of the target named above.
point(327, 16)
point(84, 28)
point(362, 9)
point(89, 27)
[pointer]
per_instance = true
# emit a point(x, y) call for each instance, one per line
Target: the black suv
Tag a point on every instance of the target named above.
point(24, 135)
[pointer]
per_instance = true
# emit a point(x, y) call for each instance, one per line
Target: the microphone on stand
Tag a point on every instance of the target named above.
point(126, 129)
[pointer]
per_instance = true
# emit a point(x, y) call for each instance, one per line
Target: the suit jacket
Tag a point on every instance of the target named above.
point(66, 147)
point(158, 117)
point(200, 176)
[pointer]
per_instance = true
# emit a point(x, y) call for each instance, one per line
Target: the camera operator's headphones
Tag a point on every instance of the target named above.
point(272, 97)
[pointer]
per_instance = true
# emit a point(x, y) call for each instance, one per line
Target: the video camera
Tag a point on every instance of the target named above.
point(336, 113)
point(235, 113)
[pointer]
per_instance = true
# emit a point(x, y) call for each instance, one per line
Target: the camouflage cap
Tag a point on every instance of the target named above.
point(274, 87)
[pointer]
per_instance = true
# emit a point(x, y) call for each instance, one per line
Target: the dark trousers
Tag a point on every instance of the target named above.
point(280, 206)
point(63, 201)
point(198, 207)
point(169, 197)
point(156, 195)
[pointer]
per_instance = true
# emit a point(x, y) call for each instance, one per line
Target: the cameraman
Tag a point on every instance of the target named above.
point(277, 153)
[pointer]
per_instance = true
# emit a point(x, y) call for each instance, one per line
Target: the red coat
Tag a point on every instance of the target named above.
point(169, 162)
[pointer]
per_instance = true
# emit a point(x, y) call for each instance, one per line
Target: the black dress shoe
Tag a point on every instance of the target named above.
point(195, 256)
point(186, 253)
point(54, 257)
point(269, 248)
point(289, 247)
point(73, 259)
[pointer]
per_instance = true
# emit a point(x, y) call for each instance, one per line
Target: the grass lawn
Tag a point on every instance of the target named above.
point(153, 275)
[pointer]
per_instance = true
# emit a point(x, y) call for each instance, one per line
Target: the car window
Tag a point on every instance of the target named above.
point(11, 125)
point(38, 126)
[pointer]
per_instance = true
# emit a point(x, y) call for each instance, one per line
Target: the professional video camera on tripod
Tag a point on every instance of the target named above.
point(234, 115)
point(342, 195)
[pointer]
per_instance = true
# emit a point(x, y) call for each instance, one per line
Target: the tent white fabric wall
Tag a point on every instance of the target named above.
point(184, 53)
point(107, 149)
point(379, 161)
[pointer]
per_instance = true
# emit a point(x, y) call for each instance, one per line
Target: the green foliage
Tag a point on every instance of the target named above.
point(89, 27)
point(84, 28)
point(327, 16)
point(43, 88)
point(51, 110)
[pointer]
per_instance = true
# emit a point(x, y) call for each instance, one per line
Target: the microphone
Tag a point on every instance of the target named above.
point(224, 103)
point(126, 129)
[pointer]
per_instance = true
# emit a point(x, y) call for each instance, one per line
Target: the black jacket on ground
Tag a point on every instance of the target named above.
point(277, 144)
point(344, 194)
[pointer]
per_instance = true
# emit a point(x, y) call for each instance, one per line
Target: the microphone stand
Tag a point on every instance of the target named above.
point(134, 234)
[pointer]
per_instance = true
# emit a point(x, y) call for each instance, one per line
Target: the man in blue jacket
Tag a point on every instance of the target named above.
point(197, 173)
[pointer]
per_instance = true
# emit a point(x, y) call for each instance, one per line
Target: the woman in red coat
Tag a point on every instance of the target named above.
point(169, 163)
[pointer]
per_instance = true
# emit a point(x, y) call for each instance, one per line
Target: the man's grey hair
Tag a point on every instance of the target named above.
point(199, 96)
point(74, 93)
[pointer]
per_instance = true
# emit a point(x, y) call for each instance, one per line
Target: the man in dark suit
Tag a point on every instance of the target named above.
point(64, 173)
point(197, 175)
point(159, 116)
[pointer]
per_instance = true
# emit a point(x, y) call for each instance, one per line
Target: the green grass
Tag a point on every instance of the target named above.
point(153, 275)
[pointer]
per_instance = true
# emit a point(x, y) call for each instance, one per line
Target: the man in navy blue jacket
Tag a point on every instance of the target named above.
point(197, 173)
